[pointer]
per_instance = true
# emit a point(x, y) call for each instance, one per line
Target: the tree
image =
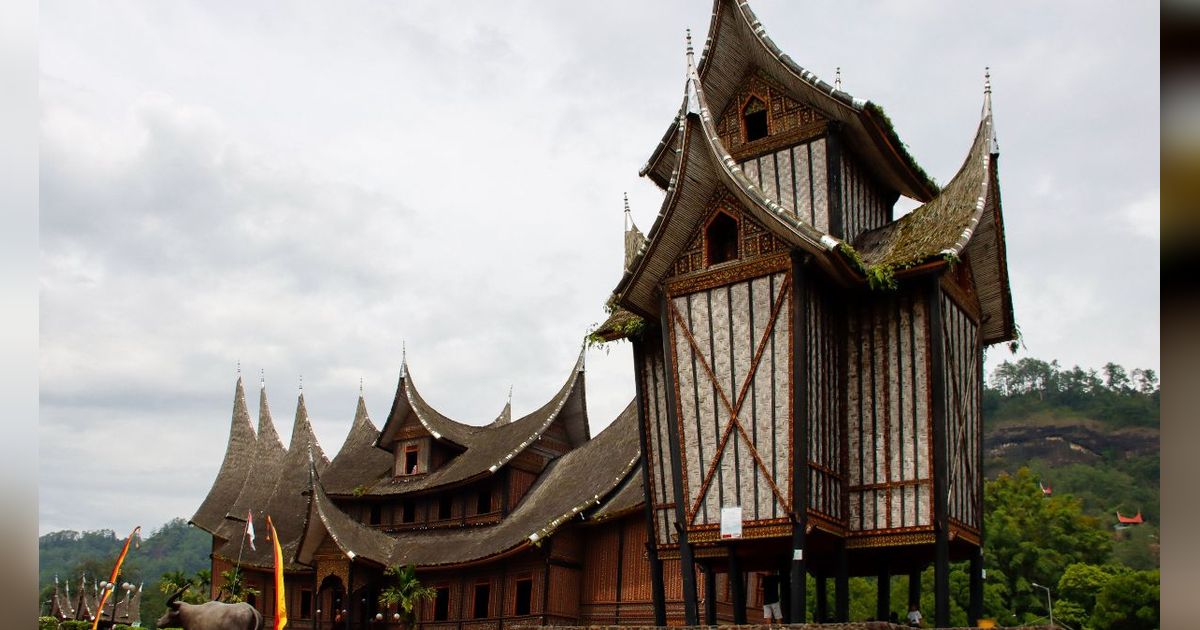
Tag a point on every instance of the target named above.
point(234, 589)
point(405, 591)
point(1128, 602)
point(1034, 539)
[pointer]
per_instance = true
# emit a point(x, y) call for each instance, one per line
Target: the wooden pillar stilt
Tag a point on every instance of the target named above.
point(975, 607)
point(841, 587)
point(785, 600)
point(710, 595)
point(883, 590)
point(821, 615)
point(914, 587)
point(737, 587)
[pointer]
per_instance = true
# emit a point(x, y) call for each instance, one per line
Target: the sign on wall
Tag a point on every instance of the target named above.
point(731, 522)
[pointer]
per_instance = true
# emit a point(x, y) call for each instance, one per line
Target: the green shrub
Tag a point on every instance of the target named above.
point(74, 624)
point(47, 623)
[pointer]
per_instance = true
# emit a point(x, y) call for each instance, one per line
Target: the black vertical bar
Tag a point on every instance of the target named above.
point(347, 603)
point(822, 612)
point(640, 369)
point(547, 547)
point(941, 562)
point(833, 170)
point(975, 607)
point(686, 562)
point(710, 594)
point(785, 588)
point(799, 439)
point(841, 587)
point(620, 565)
point(914, 588)
point(883, 589)
point(737, 586)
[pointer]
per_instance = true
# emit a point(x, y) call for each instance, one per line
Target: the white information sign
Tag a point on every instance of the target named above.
point(731, 522)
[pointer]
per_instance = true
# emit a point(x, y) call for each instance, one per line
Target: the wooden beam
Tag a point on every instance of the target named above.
point(710, 595)
point(687, 565)
point(658, 589)
point(975, 607)
point(737, 586)
point(937, 374)
point(799, 473)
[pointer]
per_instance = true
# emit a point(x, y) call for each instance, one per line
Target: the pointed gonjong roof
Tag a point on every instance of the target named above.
point(358, 460)
point(484, 449)
point(239, 453)
point(737, 44)
point(704, 167)
point(265, 467)
point(570, 486)
point(963, 222)
point(288, 504)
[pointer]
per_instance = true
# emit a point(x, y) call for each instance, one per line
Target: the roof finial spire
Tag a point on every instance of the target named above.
point(510, 393)
point(262, 378)
point(837, 79)
point(628, 216)
point(403, 359)
point(690, 52)
point(360, 385)
point(987, 80)
point(239, 367)
point(301, 383)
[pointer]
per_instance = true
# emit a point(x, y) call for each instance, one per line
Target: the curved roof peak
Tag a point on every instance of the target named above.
point(239, 453)
point(303, 437)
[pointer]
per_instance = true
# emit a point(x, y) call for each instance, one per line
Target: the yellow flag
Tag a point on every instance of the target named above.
point(280, 598)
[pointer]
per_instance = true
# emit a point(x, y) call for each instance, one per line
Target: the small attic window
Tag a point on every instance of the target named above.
point(722, 239)
point(412, 454)
point(754, 118)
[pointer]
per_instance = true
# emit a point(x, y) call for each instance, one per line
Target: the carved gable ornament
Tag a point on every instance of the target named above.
point(752, 239)
point(784, 114)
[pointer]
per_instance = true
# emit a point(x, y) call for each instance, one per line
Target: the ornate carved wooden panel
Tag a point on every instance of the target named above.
point(753, 239)
point(784, 114)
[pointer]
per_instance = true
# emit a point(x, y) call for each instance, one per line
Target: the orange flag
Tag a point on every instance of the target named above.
point(112, 577)
point(280, 599)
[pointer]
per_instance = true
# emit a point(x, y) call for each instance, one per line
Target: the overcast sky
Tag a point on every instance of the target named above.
point(307, 187)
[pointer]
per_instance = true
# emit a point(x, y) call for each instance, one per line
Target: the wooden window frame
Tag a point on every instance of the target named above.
point(741, 114)
point(474, 599)
point(415, 449)
point(528, 577)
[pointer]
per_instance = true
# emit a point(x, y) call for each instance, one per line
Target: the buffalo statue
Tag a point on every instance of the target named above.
point(209, 615)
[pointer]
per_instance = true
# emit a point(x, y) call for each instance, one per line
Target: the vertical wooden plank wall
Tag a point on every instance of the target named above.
point(795, 178)
point(963, 392)
point(888, 413)
point(658, 455)
point(826, 476)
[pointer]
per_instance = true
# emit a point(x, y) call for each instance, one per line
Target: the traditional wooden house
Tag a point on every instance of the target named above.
point(805, 360)
point(808, 371)
point(122, 608)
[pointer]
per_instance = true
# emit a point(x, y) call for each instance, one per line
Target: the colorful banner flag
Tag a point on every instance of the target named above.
point(250, 528)
point(112, 578)
point(280, 598)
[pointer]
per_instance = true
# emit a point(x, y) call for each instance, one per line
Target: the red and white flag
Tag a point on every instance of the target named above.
point(250, 528)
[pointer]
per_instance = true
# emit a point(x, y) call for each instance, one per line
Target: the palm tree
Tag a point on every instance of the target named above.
point(406, 591)
point(234, 590)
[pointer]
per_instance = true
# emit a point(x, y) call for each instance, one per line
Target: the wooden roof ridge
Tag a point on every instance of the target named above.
point(702, 158)
point(358, 461)
point(869, 128)
point(490, 447)
point(231, 476)
point(353, 538)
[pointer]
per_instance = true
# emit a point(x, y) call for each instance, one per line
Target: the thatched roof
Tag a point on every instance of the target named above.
point(359, 460)
point(738, 42)
point(288, 503)
point(963, 222)
point(266, 466)
point(484, 448)
point(570, 485)
point(239, 452)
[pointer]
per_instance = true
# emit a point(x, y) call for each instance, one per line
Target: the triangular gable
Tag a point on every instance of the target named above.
point(789, 119)
point(754, 240)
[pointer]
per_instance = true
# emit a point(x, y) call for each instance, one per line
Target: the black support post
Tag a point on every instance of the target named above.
point(821, 615)
point(914, 587)
point(737, 586)
point(841, 586)
point(937, 373)
point(799, 472)
point(975, 607)
point(687, 564)
point(785, 600)
point(710, 595)
point(658, 589)
point(883, 590)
